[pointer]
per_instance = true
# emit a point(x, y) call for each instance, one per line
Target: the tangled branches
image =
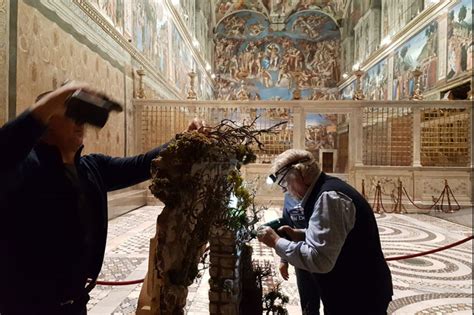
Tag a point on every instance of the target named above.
point(233, 134)
point(227, 142)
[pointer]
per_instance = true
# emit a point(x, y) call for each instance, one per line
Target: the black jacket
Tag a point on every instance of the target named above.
point(41, 230)
point(360, 282)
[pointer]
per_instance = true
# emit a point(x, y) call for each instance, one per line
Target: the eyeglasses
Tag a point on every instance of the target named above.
point(279, 176)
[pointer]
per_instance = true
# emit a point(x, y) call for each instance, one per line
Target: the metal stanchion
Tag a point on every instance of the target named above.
point(398, 206)
point(378, 206)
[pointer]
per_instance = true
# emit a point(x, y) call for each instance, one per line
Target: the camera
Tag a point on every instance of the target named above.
point(83, 107)
point(275, 225)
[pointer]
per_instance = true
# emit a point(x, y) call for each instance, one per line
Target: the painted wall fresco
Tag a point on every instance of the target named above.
point(112, 10)
point(348, 91)
point(269, 63)
point(397, 13)
point(320, 131)
point(128, 19)
point(321, 139)
point(374, 82)
point(148, 24)
point(144, 26)
point(420, 51)
point(182, 61)
point(460, 42)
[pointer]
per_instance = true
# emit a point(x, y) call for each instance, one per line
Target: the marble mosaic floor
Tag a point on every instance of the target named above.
point(439, 283)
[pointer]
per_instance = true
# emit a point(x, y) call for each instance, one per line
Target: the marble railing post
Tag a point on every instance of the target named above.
point(416, 137)
point(299, 120)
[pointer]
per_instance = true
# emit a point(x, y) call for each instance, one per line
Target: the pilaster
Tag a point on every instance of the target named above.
point(4, 51)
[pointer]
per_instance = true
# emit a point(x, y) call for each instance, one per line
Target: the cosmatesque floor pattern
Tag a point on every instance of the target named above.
point(440, 283)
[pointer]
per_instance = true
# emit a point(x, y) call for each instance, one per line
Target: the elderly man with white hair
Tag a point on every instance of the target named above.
point(341, 242)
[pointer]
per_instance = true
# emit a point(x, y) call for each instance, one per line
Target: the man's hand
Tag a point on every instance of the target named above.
point(267, 236)
point(53, 103)
point(296, 235)
point(196, 124)
point(284, 271)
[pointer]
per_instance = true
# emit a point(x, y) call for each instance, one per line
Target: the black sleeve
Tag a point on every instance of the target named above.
point(17, 139)
point(119, 173)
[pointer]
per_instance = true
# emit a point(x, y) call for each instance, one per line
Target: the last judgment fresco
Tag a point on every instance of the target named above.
point(260, 59)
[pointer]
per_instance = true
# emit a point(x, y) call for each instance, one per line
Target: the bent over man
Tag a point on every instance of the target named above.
point(341, 242)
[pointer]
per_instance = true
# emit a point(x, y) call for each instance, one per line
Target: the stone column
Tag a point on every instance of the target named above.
point(355, 145)
point(355, 138)
point(225, 284)
point(416, 137)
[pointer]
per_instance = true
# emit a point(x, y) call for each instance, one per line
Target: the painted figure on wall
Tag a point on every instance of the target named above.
point(320, 132)
point(273, 63)
point(160, 44)
point(420, 51)
point(348, 92)
point(144, 26)
point(113, 10)
point(460, 42)
point(150, 29)
point(182, 61)
point(281, 8)
point(375, 82)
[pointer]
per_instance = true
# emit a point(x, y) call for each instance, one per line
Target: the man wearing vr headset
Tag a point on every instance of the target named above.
point(341, 241)
point(53, 207)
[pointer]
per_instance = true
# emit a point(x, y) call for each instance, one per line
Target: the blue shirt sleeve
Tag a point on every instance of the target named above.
point(332, 220)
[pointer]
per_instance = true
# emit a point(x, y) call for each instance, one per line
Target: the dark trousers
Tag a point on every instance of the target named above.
point(78, 307)
point(375, 308)
point(308, 289)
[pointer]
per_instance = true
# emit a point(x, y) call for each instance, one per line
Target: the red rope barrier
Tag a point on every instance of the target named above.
point(120, 283)
point(430, 251)
point(117, 283)
point(130, 282)
point(398, 207)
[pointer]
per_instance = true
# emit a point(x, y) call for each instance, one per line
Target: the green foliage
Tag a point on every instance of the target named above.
point(275, 301)
point(237, 216)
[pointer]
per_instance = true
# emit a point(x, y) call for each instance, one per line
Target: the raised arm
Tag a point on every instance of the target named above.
point(123, 172)
point(20, 135)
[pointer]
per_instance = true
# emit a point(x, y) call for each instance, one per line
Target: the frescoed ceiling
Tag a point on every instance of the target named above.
point(279, 8)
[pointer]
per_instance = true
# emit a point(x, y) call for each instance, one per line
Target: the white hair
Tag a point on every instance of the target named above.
point(304, 163)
